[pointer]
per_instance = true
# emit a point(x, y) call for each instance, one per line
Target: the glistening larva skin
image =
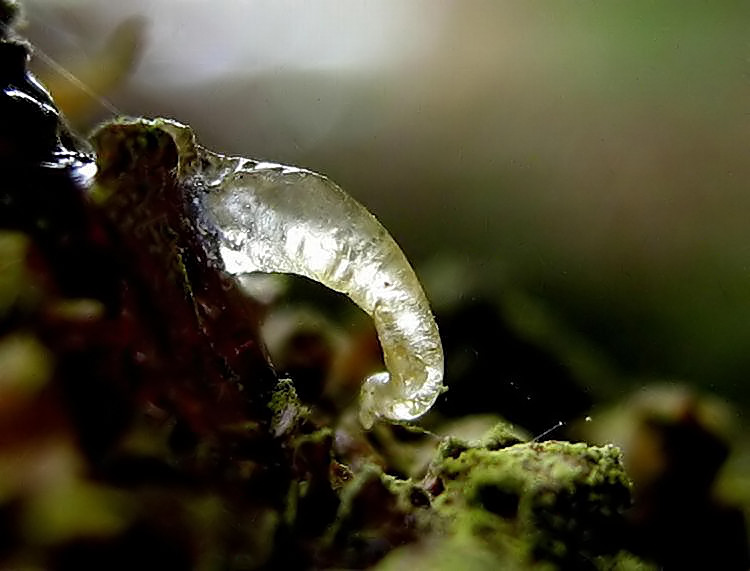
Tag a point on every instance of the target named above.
point(275, 218)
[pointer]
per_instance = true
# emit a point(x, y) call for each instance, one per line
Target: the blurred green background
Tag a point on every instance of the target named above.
point(591, 154)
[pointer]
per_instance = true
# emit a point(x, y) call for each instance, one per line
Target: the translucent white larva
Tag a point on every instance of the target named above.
point(275, 218)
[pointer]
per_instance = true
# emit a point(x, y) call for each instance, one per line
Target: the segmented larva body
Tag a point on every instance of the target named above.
point(275, 218)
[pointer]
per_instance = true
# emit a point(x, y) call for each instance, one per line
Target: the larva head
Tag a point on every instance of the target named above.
point(124, 145)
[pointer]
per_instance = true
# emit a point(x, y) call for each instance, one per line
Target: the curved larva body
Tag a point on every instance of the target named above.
point(275, 218)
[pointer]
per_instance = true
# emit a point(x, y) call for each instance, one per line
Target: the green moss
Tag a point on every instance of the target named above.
point(121, 146)
point(552, 502)
point(502, 435)
point(451, 448)
point(409, 496)
point(286, 409)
